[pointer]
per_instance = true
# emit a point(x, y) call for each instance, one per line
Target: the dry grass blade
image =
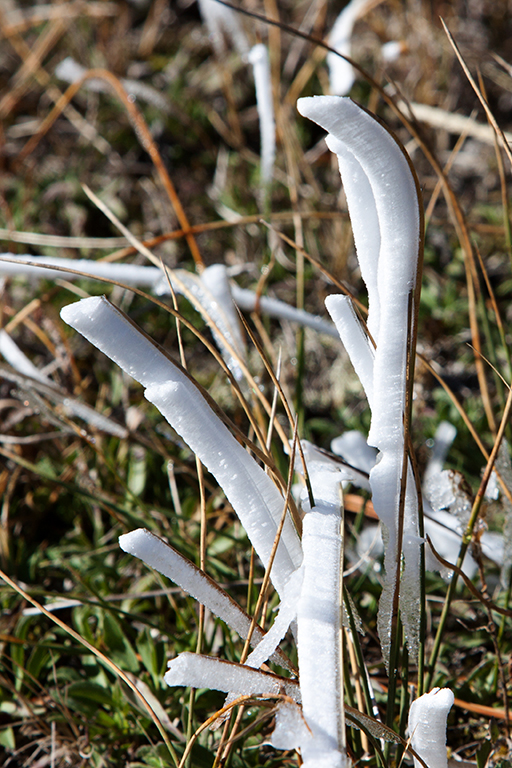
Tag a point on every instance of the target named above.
point(102, 658)
point(504, 140)
point(143, 134)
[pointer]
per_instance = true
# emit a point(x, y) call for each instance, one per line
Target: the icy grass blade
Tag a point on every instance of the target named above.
point(161, 556)
point(366, 149)
point(427, 727)
point(197, 671)
point(267, 646)
point(209, 293)
point(130, 274)
point(13, 355)
point(253, 495)
point(250, 301)
point(319, 623)
point(258, 57)
point(287, 613)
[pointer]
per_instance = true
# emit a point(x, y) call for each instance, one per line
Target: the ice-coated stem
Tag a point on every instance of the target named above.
point(319, 618)
point(254, 497)
point(159, 555)
point(383, 202)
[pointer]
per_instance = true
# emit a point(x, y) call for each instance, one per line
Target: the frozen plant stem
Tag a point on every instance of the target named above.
point(384, 206)
point(252, 493)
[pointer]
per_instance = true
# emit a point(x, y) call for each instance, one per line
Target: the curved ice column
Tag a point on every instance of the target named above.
point(355, 340)
point(210, 295)
point(391, 202)
point(159, 555)
point(254, 497)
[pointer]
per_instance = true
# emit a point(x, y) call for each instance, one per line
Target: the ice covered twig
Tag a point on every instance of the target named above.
point(197, 671)
point(159, 555)
point(319, 621)
point(253, 495)
point(383, 202)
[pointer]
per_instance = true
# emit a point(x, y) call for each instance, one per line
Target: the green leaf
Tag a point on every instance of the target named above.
point(483, 753)
point(7, 739)
point(118, 645)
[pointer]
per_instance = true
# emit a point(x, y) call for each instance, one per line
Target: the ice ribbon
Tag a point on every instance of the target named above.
point(253, 495)
point(383, 203)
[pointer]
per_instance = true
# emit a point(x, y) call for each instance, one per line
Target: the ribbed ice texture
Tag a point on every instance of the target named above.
point(319, 624)
point(196, 671)
point(382, 196)
point(427, 727)
point(253, 495)
point(166, 560)
point(258, 57)
point(365, 225)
